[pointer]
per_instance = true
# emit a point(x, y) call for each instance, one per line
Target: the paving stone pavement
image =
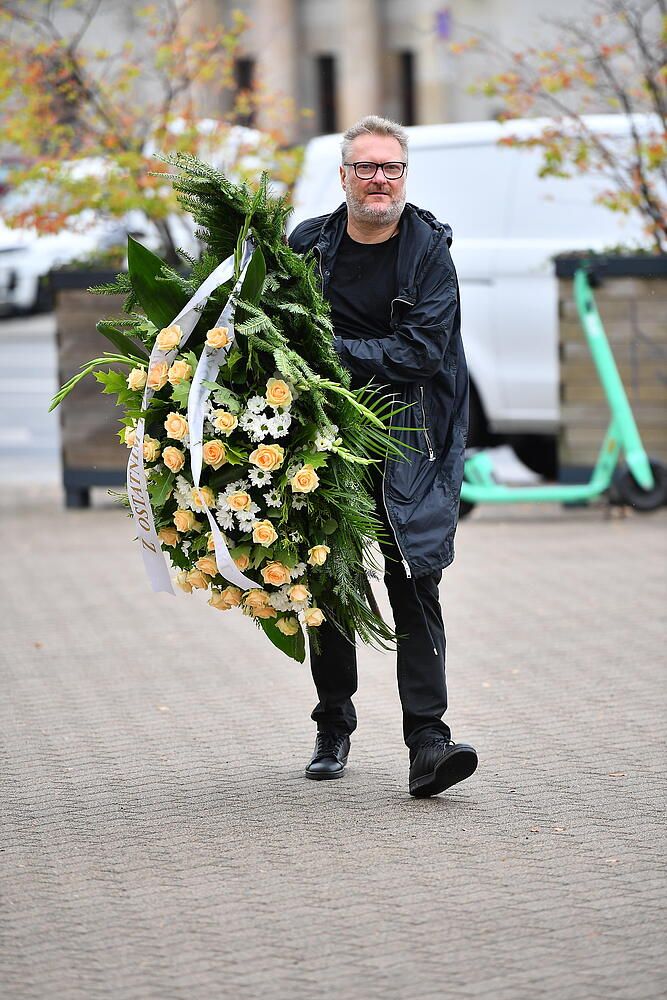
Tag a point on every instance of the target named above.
point(158, 839)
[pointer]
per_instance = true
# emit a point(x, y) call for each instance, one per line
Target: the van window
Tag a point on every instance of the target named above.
point(466, 186)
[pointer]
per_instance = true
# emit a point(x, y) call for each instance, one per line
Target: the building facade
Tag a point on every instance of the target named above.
point(343, 59)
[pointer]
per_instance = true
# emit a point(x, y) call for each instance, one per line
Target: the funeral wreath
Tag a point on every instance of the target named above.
point(248, 450)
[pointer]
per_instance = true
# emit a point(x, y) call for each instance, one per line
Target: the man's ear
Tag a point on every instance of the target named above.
point(343, 177)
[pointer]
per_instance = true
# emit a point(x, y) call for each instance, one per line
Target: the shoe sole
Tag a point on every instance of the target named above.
point(456, 766)
point(324, 775)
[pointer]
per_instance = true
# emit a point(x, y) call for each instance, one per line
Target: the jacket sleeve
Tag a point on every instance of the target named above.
point(414, 350)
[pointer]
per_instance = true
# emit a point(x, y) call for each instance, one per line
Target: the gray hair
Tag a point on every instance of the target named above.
point(374, 125)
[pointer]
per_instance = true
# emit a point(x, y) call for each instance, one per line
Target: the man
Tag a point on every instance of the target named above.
point(388, 275)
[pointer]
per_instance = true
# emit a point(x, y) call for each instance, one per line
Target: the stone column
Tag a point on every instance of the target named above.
point(275, 36)
point(360, 85)
point(433, 74)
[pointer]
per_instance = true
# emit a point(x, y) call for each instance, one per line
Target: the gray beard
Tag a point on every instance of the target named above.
point(364, 213)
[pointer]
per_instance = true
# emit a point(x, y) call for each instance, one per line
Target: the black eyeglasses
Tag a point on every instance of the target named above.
point(365, 170)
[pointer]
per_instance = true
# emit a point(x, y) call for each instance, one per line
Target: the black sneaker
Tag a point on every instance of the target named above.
point(438, 764)
point(330, 756)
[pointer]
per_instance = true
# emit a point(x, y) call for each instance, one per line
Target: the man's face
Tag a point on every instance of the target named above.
point(377, 200)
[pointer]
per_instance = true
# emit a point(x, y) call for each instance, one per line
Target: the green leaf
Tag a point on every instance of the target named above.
point(160, 486)
point(315, 458)
point(329, 526)
point(254, 277)
point(180, 394)
point(113, 382)
point(225, 397)
point(293, 646)
point(161, 299)
point(287, 558)
point(121, 340)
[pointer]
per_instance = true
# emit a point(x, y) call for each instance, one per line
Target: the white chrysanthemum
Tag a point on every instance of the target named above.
point(272, 499)
point(183, 495)
point(259, 477)
point(249, 514)
point(279, 601)
point(298, 503)
point(246, 525)
point(293, 469)
point(238, 484)
point(279, 425)
point(295, 536)
point(225, 519)
point(298, 570)
point(185, 546)
point(256, 404)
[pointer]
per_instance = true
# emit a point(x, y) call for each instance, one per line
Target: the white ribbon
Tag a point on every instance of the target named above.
point(207, 371)
point(137, 488)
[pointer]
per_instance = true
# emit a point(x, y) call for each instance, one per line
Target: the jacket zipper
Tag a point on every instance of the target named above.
point(406, 565)
point(431, 453)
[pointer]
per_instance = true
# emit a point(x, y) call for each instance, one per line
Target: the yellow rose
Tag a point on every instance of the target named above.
point(278, 393)
point(288, 626)
point(169, 338)
point(202, 495)
point(130, 436)
point(239, 500)
point(224, 421)
point(173, 458)
point(176, 426)
point(313, 617)
point(305, 481)
point(217, 337)
point(216, 600)
point(179, 372)
point(157, 375)
point(317, 556)
point(268, 457)
point(276, 574)
point(151, 449)
point(214, 454)
point(267, 612)
point(298, 593)
point(233, 596)
point(208, 565)
point(181, 580)
point(264, 533)
point(242, 561)
point(184, 520)
point(197, 579)
point(169, 536)
point(137, 378)
point(210, 543)
point(256, 602)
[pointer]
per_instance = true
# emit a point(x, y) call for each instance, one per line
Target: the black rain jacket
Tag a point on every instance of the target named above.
point(421, 358)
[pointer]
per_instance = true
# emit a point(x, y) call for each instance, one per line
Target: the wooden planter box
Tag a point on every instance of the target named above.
point(91, 452)
point(632, 300)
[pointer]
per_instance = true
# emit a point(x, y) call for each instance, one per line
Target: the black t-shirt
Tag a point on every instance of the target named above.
point(361, 288)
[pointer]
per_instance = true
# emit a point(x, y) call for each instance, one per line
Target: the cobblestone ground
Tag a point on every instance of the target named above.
point(158, 839)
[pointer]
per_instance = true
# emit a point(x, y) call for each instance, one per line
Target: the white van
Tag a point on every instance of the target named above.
point(508, 224)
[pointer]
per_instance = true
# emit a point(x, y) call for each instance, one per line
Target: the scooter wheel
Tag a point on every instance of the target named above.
point(630, 492)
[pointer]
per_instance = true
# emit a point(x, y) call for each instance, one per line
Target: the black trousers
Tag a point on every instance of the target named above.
point(420, 654)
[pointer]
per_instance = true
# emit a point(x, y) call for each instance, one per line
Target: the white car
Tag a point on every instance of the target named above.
point(26, 256)
point(508, 225)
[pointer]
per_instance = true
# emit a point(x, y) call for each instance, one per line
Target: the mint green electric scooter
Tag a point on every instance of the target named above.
point(639, 482)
